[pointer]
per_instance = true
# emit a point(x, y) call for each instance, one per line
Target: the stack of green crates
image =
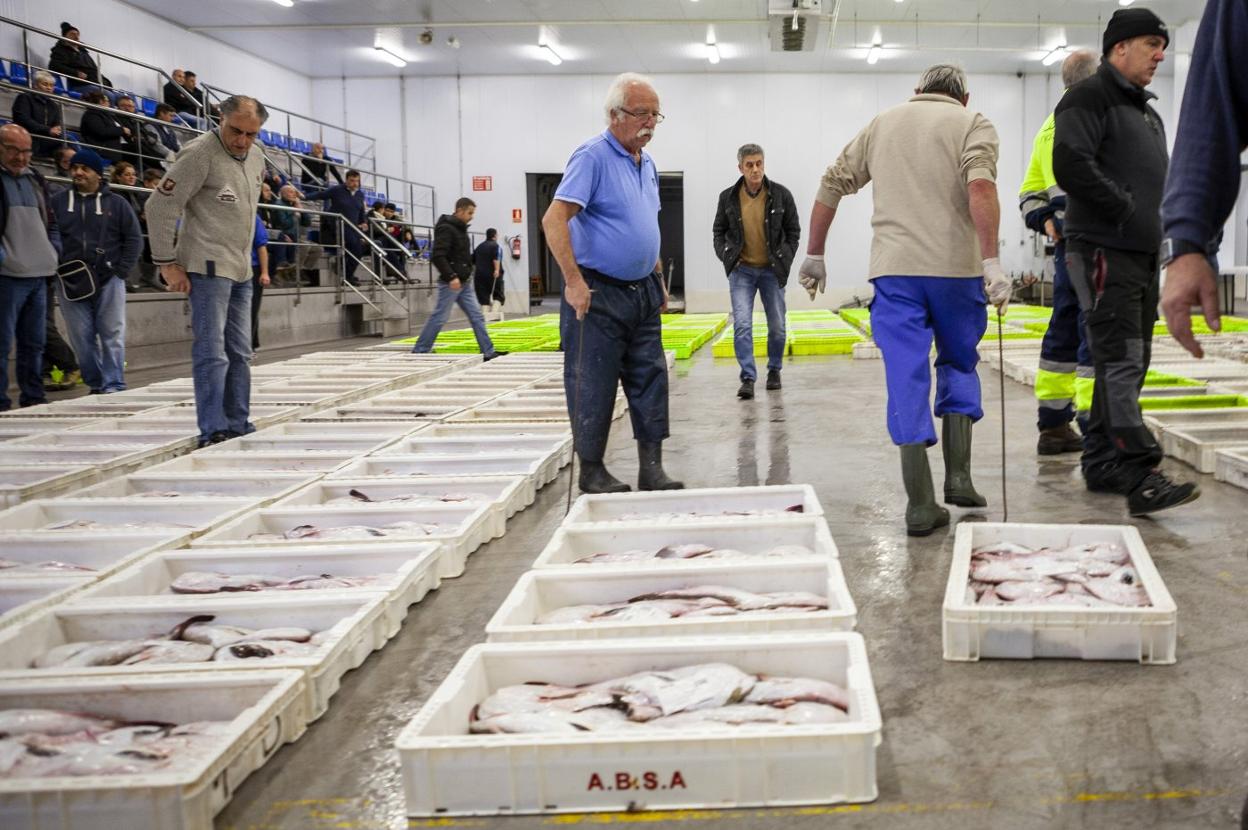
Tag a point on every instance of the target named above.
point(820, 331)
point(723, 346)
point(684, 334)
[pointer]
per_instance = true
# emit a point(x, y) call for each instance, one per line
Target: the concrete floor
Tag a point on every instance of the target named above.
point(1020, 745)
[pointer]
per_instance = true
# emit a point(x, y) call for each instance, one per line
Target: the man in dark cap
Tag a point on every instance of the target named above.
point(1109, 155)
point(71, 59)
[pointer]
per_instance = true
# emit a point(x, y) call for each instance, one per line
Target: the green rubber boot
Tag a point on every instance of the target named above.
point(956, 443)
point(923, 514)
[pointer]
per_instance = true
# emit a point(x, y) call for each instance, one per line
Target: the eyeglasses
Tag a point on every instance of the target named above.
point(18, 150)
point(645, 115)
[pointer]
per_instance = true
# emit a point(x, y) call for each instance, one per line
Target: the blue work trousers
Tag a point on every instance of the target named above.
point(23, 312)
point(906, 314)
point(220, 354)
point(744, 282)
point(466, 298)
point(97, 330)
point(1064, 349)
point(620, 341)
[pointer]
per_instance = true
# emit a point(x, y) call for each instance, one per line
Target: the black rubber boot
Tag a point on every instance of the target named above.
point(746, 391)
point(594, 478)
point(923, 514)
point(650, 475)
point(956, 444)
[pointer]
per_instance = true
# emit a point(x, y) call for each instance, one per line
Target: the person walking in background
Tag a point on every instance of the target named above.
point(932, 165)
point(756, 233)
point(100, 231)
point(1109, 155)
point(487, 270)
point(452, 256)
point(30, 245)
point(259, 278)
point(1064, 379)
point(213, 189)
point(603, 230)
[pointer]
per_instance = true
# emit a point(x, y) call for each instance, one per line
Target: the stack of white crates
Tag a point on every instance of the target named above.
point(782, 544)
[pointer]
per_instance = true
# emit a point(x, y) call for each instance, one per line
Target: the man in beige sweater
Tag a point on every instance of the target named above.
point(933, 166)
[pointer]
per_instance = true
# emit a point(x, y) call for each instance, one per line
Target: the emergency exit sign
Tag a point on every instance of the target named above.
point(482, 182)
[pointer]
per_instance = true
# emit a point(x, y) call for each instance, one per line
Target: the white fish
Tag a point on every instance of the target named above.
point(1122, 587)
point(15, 722)
point(785, 691)
point(170, 651)
point(258, 649)
point(87, 654)
point(201, 582)
point(1025, 592)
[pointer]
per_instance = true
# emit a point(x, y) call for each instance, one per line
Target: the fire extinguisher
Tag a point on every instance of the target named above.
point(515, 247)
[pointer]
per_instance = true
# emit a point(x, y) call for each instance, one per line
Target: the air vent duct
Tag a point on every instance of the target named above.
point(793, 25)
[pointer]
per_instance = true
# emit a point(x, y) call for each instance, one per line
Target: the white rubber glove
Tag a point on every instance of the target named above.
point(812, 275)
point(997, 285)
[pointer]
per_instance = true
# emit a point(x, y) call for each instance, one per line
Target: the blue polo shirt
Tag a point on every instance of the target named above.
point(617, 229)
point(259, 240)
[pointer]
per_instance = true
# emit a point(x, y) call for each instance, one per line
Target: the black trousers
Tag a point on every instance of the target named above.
point(257, 292)
point(56, 352)
point(620, 341)
point(1118, 293)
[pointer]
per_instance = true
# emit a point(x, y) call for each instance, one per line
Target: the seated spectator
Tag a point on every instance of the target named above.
point(291, 234)
point(106, 236)
point(168, 135)
point(71, 59)
point(315, 171)
point(123, 172)
point(148, 278)
point(103, 131)
point(190, 86)
point(60, 157)
point(176, 96)
point(40, 115)
point(146, 141)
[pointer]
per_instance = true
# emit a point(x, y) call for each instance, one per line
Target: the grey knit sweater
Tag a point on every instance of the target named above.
point(213, 195)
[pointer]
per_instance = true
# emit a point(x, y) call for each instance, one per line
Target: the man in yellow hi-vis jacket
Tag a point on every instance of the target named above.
point(1064, 380)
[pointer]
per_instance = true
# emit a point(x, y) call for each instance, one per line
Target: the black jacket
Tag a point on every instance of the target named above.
point(38, 115)
point(315, 172)
point(452, 252)
point(68, 58)
point(104, 129)
point(178, 98)
point(1109, 155)
point(781, 225)
point(101, 229)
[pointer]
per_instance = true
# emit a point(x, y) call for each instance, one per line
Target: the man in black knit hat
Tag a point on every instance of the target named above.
point(1109, 155)
point(71, 59)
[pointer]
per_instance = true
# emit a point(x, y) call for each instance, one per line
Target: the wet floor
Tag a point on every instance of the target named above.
point(996, 744)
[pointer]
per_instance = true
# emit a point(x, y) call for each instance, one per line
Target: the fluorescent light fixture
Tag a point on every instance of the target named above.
point(712, 51)
point(390, 57)
point(1125, 2)
point(285, 3)
point(551, 55)
point(873, 54)
point(1055, 54)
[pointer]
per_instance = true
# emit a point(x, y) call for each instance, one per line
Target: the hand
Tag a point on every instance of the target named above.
point(1050, 230)
point(125, 131)
point(813, 275)
point(264, 279)
point(175, 277)
point(578, 296)
point(455, 285)
point(666, 297)
point(997, 285)
point(54, 131)
point(82, 74)
point(1190, 281)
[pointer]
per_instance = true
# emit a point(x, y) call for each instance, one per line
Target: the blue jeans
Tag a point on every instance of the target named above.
point(221, 326)
point(743, 282)
point(23, 312)
point(97, 331)
point(466, 297)
point(905, 314)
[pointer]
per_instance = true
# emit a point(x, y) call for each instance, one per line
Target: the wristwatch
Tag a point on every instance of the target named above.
point(1171, 249)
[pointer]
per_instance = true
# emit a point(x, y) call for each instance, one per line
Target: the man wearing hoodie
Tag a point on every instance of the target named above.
point(99, 228)
point(452, 256)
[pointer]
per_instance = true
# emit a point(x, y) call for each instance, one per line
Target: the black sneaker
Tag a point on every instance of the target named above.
point(746, 392)
point(1156, 492)
point(492, 356)
point(217, 437)
point(773, 378)
point(1106, 477)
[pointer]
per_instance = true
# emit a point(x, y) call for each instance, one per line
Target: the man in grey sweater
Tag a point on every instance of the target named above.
point(212, 190)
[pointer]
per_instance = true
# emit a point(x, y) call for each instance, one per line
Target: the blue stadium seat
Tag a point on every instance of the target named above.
point(149, 107)
point(58, 84)
point(302, 146)
point(280, 141)
point(265, 138)
point(17, 73)
point(4, 71)
point(77, 96)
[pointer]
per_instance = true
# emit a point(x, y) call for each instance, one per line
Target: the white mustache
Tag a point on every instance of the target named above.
point(644, 131)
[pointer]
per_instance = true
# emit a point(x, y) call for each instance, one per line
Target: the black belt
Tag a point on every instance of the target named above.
point(609, 280)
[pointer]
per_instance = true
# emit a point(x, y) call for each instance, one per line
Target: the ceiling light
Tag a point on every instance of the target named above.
point(873, 54)
point(712, 51)
point(550, 55)
point(390, 57)
point(285, 3)
point(1055, 54)
point(1125, 2)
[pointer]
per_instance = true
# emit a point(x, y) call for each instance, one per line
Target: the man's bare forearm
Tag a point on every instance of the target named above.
point(821, 217)
point(559, 240)
point(985, 215)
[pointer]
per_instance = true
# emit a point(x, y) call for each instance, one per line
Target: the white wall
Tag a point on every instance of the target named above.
point(508, 126)
point(128, 31)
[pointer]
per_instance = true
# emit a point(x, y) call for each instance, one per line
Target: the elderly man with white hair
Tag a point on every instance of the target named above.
point(933, 167)
point(603, 229)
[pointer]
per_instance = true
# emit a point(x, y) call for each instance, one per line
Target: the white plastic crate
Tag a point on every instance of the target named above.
point(100, 553)
point(265, 710)
point(112, 459)
point(1199, 445)
point(499, 497)
point(20, 483)
point(542, 591)
point(462, 529)
point(338, 442)
point(97, 405)
point(1165, 420)
point(264, 487)
point(380, 430)
point(255, 462)
point(186, 516)
point(541, 468)
point(560, 445)
point(261, 415)
point(20, 597)
point(712, 503)
point(356, 624)
point(516, 428)
point(449, 772)
point(364, 412)
point(16, 427)
point(573, 542)
point(408, 572)
point(509, 494)
point(1208, 369)
point(343, 392)
point(1231, 466)
point(1024, 632)
point(503, 414)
